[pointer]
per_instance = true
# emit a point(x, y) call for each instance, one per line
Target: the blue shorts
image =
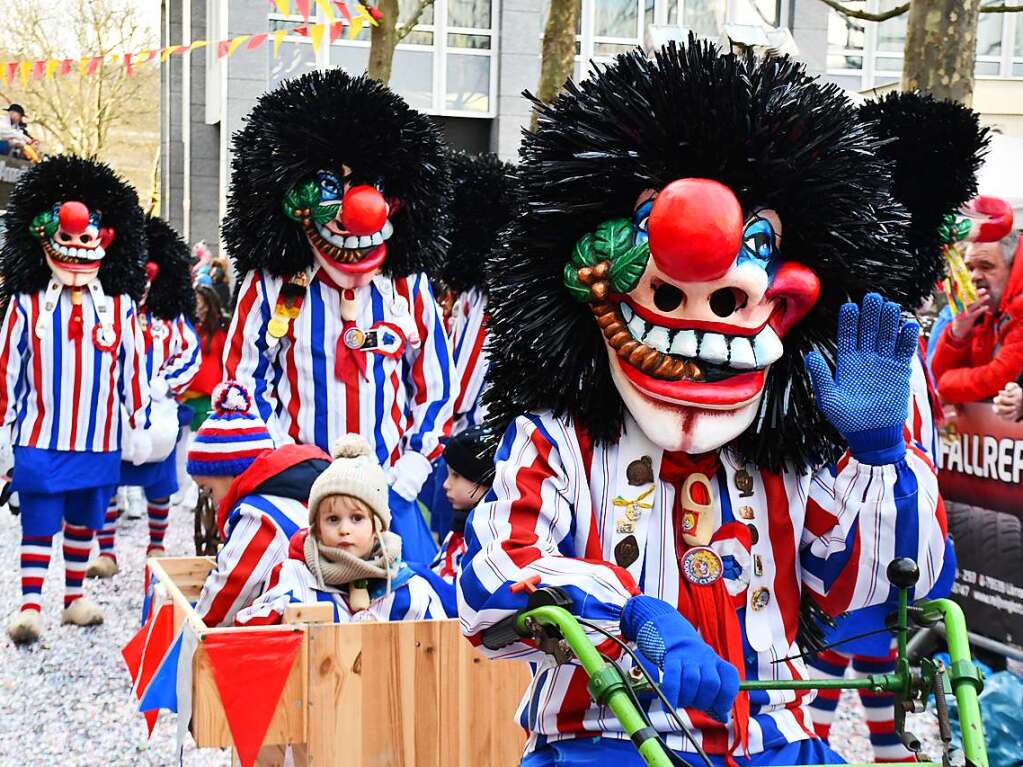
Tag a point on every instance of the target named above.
point(601, 752)
point(159, 480)
point(45, 513)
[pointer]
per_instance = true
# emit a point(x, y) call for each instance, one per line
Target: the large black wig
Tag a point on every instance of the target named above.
point(171, 294)
point(935, 149)
point(481, 206)
point(778, 139)
point(61, 179)
point(321, 121)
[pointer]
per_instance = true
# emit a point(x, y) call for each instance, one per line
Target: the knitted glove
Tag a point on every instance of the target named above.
point(867, 399)
point(693, 676)
point(409, 473)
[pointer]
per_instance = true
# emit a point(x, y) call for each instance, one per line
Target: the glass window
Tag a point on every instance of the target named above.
point(673, 11)
point(987, 68)
point(418, 37)
point(610, 50)
point(891, 34)
point(703, 16)
point(412, 77)
point(846, 33)
point(889, 64)
point(648, 13)
point(479, 42)
point(351, 58)
point(756, 12)
point(1017, 48)
point(989, 35)
point(844, 61)
point(468, 83)
point(407, 6)
point(295, 59)
point(474, 14)
point(616, 18)
point(278, 24)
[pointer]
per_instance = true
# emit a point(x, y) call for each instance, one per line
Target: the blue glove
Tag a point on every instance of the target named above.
point(693, 676)
point(867, 400)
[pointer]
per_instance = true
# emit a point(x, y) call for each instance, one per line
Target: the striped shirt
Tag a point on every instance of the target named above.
point(552, 513)
point(411, 598)
point(172, 351)
point(402, 404)
point(468, 336)
point(64, 394)
point(258, 528)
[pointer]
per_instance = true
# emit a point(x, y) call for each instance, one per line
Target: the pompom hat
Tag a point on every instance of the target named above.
point(354, 472)
point(231, 437)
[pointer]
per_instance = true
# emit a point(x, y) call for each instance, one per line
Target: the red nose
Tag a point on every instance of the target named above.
point(74, 217)
point(363, 210)
point(152, 270)
point(695, 229)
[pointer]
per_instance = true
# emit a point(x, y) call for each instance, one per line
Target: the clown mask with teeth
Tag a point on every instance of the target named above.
point(347, 225)
point(73, 240)
point(693, 299)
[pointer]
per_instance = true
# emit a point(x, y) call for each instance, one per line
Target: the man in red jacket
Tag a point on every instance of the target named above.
point(982, 348)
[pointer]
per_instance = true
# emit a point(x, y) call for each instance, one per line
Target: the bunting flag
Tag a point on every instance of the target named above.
point(337, 13)
point(160, 641)
point(250, 671)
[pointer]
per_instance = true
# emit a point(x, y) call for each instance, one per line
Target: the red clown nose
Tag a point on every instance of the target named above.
point(695, 229)
point(74, 217)
point(363, 210)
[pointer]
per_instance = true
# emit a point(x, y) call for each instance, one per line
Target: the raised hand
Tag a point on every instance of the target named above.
point(867, 398)
point(693, 675)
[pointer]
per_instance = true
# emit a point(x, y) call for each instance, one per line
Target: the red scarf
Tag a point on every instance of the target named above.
point(708, 607)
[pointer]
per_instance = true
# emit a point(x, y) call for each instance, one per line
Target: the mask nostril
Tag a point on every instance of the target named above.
point(667, 297)
point(725, 301)
point(84, 238)
point(65, 237)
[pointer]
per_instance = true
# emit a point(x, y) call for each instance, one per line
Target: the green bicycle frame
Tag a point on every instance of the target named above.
point(608, 688)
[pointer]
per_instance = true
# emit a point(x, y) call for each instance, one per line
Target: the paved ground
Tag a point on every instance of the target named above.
point(67, 702)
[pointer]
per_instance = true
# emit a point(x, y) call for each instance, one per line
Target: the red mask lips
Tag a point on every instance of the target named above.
point(74, 259)
point(351, 253)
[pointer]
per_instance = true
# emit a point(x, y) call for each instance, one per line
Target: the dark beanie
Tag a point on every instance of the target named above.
point(467, 453)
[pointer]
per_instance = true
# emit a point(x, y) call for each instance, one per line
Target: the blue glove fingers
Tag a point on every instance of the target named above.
point(870, 319)
point(692, 676)
point(705, 695)
point(671, 679)
point(727, 692)
point(909, 340)
point(888, 331)
point(820, 377)
point(848, 328)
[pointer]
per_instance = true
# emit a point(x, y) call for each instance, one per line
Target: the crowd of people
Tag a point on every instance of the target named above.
point(620, 304)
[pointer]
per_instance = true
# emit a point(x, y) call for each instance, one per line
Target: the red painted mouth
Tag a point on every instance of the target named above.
point(730, 393)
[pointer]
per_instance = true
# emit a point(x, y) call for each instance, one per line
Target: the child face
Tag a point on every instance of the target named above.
point(463, 493)
point(218, 486)
point(345, 523)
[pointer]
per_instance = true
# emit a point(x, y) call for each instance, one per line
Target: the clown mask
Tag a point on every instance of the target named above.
point(73, 240)
point(346, 225)
point(693, 299)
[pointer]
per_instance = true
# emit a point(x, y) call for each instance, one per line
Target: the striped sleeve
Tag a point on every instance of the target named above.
point(471, 361)
point(244, 562)
point(920, 426)
point(15, 326)
point(432, 385)
point(183, 365)
point(859, 518)
point(245, 351)
point(524, 530)
point(134, 382)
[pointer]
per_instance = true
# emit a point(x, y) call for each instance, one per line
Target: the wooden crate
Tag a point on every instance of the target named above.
point(409, 694)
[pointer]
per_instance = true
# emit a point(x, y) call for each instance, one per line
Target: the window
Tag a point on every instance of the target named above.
point(866, 54)
point(445, 66)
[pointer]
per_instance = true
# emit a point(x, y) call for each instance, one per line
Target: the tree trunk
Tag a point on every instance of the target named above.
point(383, 39)
point(558, 55)
point(941, 44)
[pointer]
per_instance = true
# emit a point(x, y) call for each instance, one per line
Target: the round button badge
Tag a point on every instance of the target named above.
point(701, 565)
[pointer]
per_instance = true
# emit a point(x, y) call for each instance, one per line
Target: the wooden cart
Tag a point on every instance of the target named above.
point(410, 694)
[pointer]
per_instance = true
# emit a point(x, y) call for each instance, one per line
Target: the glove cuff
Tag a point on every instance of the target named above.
point(877, 447)
point(638, 611)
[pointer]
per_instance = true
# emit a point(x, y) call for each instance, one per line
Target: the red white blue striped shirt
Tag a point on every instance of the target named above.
point(173, 351)
point(63, 394)
point(551, 513)
point(404, 402)
point(468, 336)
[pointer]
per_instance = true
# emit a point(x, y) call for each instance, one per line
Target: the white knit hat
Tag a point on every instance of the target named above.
point(353, 472)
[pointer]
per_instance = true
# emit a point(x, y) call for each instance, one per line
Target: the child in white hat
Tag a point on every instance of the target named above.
point(349, 556)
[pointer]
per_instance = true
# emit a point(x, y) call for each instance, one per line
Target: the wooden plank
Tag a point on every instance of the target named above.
point(312, 612)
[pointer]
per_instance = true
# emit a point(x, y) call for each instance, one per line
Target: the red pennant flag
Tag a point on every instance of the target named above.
point(250, 674)
point(94, 63)
point(335, 30)
point(343, 8)
point(127, 64)
point(132, 652)
point(222, 47)
point(12, 71)
point(255, 41)
point(160, 638)
point(65, 67)
point(303, 8)
point(150, 720)
point(304, 31)
point(37, 69)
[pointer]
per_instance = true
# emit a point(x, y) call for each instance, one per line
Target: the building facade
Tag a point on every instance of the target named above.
point(468, 61)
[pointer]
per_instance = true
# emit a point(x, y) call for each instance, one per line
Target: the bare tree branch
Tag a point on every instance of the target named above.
point(1001, 8)
point(852, 13)
point(405, 27)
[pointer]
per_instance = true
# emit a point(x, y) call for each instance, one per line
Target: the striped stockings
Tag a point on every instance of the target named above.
point(35, 560)
point(107, 535)
point(159, 510)
point(879, 707)
point(77, 547)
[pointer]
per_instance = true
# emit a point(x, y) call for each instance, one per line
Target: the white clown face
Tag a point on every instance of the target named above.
point(691, 343)
point(73, 240)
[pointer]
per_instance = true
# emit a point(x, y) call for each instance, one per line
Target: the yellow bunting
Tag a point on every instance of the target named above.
point(233, 45)
point(51, 67)
point(283, 7)
point(279, 36)
point(325, 9)
point(198, 44)
point(24, 68)
point(166, 52)
point(316, 35)
point(357, 24)
point(360, 10)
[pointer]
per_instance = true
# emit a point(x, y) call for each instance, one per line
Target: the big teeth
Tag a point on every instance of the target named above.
point(714, 348)
point(387, 230)
point(365, 241)
point(684, 343)
point(637, 327)
point(99, 253)
point(742, 354)
point(658, 339)
point(767, 347)
point(351, 242)
point(627, 313)
point(377, 239)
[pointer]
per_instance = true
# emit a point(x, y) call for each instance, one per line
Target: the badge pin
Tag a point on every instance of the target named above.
point(625, 526)
point(761, 598)
point(354, 338)
point(627, 551)
point(754, 534)
point(758, 565)
point(640, 471)
point(744, 483)
point(746, 512)
point(277, 327)
point(702, 566)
